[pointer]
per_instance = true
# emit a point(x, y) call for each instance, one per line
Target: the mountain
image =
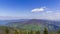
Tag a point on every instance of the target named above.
point(34, 24)
point(15, 23)
point(3, 22)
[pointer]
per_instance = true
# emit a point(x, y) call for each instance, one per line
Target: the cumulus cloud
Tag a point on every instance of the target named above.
point(38, 9)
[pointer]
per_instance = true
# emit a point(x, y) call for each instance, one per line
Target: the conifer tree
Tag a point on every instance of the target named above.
point(37, 32)
point(58, 32)
point(7, 30)
point(45, 31)
point(52, 32)
point(16, 32)
point(31, 32)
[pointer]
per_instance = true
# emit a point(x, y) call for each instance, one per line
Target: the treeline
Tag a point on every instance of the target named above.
point(23, 31)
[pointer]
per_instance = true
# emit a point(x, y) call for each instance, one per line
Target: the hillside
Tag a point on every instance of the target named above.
point(6, 30)
point(34, 24)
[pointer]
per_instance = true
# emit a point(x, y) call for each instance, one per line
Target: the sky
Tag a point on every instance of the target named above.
point(30, 9)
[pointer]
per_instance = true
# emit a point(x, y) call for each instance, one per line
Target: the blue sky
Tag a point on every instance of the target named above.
point(30, 9)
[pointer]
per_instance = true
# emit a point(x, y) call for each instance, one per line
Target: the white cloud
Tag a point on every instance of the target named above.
point(38, 9)
point(49, 12)
point(46, 13)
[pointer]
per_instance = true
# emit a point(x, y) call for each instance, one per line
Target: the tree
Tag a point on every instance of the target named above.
point(37, 32)
point(52, 32)
point(7, 31)
point(45, 31)
point(58, 32)
point(16, 32)
point(31, 32)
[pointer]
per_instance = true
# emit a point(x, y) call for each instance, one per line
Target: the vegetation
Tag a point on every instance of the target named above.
point(9, 30)
point(45, 31)
point(16, 32)
point(58, 32)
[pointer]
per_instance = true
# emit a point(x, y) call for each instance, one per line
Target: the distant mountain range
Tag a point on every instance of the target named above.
point(34, 24)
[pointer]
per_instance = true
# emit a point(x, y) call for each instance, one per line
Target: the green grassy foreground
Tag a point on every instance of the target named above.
point(9, 30)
